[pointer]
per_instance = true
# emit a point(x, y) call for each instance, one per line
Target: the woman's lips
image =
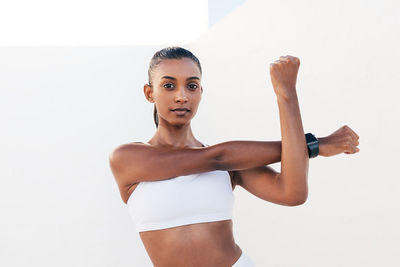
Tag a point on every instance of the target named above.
point(180, 112)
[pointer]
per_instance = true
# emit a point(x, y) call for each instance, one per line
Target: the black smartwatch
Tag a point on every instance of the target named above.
point(312, 145)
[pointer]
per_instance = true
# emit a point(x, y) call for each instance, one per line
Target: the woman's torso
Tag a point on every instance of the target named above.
point(206, 244)
point(201, 245)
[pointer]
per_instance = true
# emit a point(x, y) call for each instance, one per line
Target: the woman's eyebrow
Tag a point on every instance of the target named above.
point(168, 77)
point(172, 78)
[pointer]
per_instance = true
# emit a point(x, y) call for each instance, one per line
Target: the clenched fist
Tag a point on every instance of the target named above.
point(344, 140)
point(283, 74)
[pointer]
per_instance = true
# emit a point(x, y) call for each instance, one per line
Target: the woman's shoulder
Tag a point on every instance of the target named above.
point(136, 143)
point(127, 147)
point(145, 143)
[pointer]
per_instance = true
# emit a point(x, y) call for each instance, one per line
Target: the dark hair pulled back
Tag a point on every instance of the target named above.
point(173, 52)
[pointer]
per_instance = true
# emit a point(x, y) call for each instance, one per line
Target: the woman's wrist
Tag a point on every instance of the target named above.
point(322, 146)
point(287, 98)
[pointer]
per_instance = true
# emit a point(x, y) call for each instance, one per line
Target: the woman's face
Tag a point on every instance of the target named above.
point(176, 84)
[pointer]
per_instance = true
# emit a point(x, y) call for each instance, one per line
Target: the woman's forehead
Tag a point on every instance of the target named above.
point(177, 68)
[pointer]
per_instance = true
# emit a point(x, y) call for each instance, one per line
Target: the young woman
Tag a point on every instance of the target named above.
point(179, 191)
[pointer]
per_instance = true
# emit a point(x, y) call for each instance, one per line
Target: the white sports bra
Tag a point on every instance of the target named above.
point(182, 200)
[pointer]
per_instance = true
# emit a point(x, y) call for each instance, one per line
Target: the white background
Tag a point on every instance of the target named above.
point(64, 108)
point(101, 22)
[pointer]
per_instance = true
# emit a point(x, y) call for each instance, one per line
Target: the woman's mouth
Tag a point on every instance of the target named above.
point(180, 111)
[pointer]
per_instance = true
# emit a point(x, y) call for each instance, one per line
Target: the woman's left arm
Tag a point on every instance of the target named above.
point(290, 186)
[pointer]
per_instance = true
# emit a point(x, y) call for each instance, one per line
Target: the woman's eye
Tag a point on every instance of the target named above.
point(168, 85)
point(193, 86)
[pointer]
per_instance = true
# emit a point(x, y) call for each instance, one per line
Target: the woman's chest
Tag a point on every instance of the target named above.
point(131, 189)
point(182, 200)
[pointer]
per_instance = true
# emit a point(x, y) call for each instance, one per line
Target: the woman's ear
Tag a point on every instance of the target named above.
point(148, 92)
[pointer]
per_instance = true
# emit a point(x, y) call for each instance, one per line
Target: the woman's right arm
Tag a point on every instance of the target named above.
point(135, 162)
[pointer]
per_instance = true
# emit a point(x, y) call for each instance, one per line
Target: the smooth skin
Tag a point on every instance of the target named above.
point(174, 151)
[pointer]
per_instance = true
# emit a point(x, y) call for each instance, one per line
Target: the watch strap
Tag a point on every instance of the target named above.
point(312, 145)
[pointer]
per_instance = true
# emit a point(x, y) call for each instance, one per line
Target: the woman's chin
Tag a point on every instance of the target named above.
point(180, 122)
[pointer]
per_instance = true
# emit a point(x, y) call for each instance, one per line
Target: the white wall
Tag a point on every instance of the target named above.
point(104, 22)
point(63, 109)
point(349, 52)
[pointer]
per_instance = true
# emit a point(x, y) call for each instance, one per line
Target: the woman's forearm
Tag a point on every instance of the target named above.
point(294, 155)
point(291, 151)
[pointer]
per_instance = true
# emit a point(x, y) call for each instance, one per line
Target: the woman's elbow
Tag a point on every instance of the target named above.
point(298, 199)
point(297, 202)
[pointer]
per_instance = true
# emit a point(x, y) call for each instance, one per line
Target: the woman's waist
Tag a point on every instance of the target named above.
point(192, 243)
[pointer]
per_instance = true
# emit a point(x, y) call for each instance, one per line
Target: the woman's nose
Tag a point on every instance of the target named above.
point(181, 95)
